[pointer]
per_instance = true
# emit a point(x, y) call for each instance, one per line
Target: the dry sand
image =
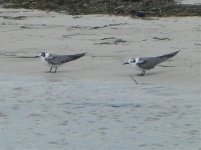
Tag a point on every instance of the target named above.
point(92, 103)
point(189, 1)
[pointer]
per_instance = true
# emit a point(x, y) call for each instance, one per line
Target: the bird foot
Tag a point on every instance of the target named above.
point(140, 75)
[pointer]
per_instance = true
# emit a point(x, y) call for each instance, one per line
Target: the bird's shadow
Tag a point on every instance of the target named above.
point(50, 72)
point(61, 71)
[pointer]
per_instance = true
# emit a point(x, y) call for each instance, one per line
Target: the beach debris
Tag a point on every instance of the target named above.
point(76, 27)
point(165, 38)
point(109, 25)
point(140, 14)
point(96, 27)
point(197, 44)
point(124, 105)
point(112, 40)
point(116, 7)
point(14, 18)
point(77, 16)
point(25, 27)
point(119, 41)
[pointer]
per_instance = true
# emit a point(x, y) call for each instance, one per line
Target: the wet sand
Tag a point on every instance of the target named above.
point(92, 103)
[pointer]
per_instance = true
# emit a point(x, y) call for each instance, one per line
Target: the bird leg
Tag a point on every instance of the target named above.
point(55, 70)
point(50, 69)
point(143, 73)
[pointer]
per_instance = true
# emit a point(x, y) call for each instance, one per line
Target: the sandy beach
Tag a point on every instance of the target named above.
point(92, 103)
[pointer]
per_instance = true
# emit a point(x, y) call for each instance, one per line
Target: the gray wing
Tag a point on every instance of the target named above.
point(146, 63)
point(151, 62)
point(60, 59)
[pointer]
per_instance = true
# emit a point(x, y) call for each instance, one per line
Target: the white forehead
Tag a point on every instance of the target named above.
point(137, 59)
point(47, 54)
point(132, 59)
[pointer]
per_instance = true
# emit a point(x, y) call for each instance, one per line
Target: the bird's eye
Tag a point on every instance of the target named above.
point(42, 55)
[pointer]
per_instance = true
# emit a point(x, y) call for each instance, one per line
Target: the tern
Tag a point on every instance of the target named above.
point(54, 61)
point(147, 63)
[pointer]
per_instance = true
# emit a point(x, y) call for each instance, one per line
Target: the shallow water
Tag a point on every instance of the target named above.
point(40, 113)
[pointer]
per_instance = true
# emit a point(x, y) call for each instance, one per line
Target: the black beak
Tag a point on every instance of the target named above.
point(125, 63)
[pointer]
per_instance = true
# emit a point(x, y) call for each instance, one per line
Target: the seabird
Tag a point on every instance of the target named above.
point(147, 63)
point(54, 61)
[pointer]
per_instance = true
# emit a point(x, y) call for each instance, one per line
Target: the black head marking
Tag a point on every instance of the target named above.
point(42, 54)
point(132, 61)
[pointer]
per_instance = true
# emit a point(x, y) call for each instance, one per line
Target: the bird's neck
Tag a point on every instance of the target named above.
point(42, 59)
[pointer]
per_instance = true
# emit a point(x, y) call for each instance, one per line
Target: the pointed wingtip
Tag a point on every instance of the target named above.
point(174, 53)
point(84, 53)
point(177, 52)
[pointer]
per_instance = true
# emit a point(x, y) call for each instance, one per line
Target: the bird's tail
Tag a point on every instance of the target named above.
point(166, 56)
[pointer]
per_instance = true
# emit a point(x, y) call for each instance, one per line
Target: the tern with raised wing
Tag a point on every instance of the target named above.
point(54, 61)
point(147, 63)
